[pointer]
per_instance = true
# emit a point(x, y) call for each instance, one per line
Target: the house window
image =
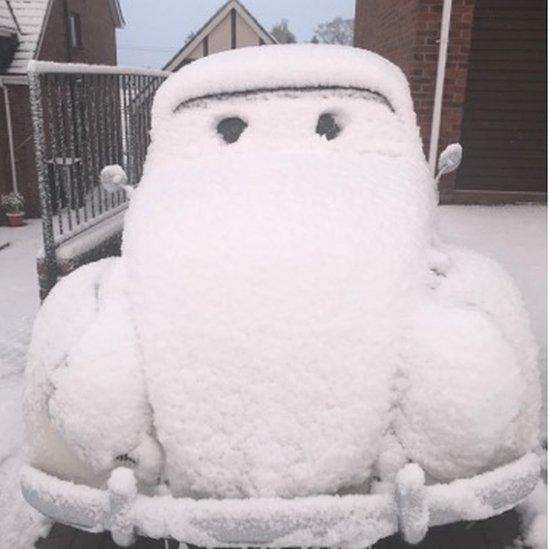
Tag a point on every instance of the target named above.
point(75, 31)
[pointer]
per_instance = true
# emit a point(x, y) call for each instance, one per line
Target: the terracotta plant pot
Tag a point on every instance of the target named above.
point(15, 219)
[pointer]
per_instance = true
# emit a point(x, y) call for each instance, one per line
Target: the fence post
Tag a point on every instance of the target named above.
point(50, 259)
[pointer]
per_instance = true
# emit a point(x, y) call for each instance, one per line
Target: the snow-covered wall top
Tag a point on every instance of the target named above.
point(294, 66)
point(89, 68)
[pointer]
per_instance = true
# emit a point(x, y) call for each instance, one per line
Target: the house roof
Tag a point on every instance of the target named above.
point(8, 24)
point(214, 20)
point(31, 17)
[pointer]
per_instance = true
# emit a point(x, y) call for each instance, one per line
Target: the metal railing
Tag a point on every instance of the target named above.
point(86, 117)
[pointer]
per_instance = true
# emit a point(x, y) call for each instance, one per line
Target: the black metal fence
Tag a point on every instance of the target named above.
point(85, 118)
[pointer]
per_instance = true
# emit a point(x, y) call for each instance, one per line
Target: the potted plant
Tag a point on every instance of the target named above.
point(12, 203)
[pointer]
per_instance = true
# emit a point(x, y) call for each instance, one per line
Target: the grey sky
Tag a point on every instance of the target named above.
point(156, 29)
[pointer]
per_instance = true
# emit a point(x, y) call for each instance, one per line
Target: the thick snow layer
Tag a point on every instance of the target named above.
point(284, 320)
point(272, 381)
point(283, 315)
point(514, 235)
point(288, 297)
point(293, 66)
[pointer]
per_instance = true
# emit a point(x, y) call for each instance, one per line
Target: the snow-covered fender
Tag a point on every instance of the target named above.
point(85, 405)
point(474, 336)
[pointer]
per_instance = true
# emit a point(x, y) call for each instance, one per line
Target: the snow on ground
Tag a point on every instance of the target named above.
point(20, 525)
point(513, 235)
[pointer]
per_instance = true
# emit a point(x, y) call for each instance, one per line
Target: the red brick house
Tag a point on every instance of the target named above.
point(493, 93)
point(81, 31)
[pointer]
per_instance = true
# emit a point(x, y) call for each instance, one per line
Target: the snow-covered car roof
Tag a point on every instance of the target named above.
point(292, 66)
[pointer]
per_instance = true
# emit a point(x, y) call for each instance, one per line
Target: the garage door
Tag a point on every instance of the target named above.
point(504, 130)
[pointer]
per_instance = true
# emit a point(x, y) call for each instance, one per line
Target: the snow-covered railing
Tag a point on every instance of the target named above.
point(86, 117)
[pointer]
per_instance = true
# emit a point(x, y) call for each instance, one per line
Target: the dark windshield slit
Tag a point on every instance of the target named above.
point(256, 91)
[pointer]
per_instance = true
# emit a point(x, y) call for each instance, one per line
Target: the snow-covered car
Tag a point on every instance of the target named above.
point(285, 354)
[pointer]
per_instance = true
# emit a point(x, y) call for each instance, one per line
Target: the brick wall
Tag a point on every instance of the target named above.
point(388, 27)
point(504, 128)
point(407, 33)
point(98, 33)
point(98, 46)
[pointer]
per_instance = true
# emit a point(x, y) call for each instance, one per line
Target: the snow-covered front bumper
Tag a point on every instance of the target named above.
point(344, 521)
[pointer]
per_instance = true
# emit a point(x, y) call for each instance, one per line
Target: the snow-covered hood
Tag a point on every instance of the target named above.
point(263, 288)
point(268, 277)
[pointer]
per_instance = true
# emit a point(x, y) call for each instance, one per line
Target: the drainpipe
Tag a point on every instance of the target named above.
point(439, 86)
point(68, 30)
point(10, 136)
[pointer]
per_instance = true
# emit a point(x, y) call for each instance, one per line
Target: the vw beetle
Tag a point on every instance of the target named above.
point(285, 354)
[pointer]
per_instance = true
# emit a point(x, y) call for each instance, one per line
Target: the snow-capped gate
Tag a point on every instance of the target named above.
point(85, 117)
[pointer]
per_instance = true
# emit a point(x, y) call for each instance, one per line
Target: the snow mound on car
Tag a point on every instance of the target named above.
point(272, 321)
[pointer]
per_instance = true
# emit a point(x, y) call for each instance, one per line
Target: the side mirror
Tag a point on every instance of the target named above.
point(449, 159)
point(113, 178)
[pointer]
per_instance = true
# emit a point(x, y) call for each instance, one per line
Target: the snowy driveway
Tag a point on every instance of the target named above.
point(19, 524)
point(513, 235)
